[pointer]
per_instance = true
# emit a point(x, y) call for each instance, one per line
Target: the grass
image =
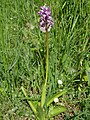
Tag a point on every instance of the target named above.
point(69, 57)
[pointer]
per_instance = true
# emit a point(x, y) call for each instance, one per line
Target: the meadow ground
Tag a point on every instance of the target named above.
point(21, 50)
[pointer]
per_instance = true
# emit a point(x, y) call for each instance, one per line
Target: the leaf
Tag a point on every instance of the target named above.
point(85, 78)
point(30, 102)
point(57, 110)
point(51, 99)
point(79, 88)
point(88, 75)
point(64, 5)
point(88, 72)
point(43, 98)
point(74, 23)
point(41, 113)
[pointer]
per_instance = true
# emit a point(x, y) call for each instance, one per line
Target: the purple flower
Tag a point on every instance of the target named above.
point(46, 21)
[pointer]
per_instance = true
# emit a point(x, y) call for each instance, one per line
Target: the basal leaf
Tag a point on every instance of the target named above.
point(40, 113)
point(56, 111)
point(43, 98)
point(30, 102)
point(51, 99)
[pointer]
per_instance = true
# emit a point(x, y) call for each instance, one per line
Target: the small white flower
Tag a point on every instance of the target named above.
point(56, 100)
point(60, 82)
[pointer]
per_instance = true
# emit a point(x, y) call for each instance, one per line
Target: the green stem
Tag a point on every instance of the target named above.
point(44, 87)
point(46, 57)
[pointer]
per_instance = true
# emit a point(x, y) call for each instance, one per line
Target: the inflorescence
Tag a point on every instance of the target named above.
point(46, 21)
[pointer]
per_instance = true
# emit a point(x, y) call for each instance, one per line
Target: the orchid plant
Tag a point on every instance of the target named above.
point(44, 109)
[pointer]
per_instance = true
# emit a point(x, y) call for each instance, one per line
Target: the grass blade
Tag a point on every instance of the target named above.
point(74, 23)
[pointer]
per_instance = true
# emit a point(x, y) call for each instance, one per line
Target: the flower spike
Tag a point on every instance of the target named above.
point(46, 21)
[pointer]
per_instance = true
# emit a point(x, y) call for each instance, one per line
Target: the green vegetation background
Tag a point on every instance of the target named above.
point(21, 41)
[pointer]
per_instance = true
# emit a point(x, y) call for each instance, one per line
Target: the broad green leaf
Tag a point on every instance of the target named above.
point(40, 113)
point(51, 99)
point(43, 98)
point(30, 102)
point(56, 111)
